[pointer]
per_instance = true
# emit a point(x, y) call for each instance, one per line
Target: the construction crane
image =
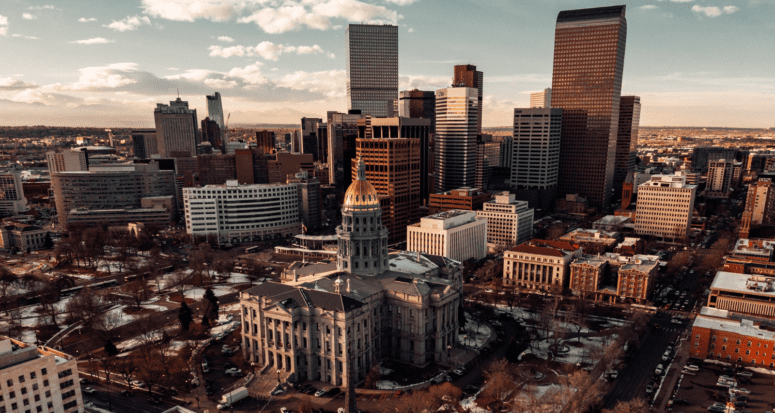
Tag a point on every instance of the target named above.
point(226, 130)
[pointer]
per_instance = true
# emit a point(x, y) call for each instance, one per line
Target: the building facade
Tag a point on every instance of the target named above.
point(242, 213)
point(342, 134)
point(743, 293)
point(488, 156)
point(22, 237)
point(457, 235)
point(455, 143)
point(176, 128)
point(143, 142)
point(286, 164)
point(594, 241)
point(509, 222)
point(215, 109)
point(38, 379)
point(719, 182)
point(265, 141)
point(724, 336)
point(310, 205)
point(539, 265)
point(468, 76)
point(67, 161)
point(665, 206)
point(626, 140)
point(252, 165)
point(590, 115)
point(759, 206)
point(535, 155)
point(372, 67)
point(469, 199)
point(542, 99)
point(12, 199)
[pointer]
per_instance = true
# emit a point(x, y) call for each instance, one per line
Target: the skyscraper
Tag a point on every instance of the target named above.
point(211, 133)
point(265, 141)
point(144, 143)
point(342, 133)
point(536, 155)
point(457, 120)
point(586, 84)
point(372, 67)
point(215, 109)
point(468, 76)
point(759, 206)
point(310, 141)
point(542, 99)
point(418, 104)
point(176, 128)
point(626, 140)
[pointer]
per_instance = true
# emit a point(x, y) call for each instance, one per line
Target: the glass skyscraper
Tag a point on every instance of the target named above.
point(586, 84)
point(457, 123)
point(372, 68)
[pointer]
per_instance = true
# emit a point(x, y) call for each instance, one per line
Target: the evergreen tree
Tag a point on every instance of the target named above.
point(48, 243)
point(185, 315)
point(461, 316)
point(212, 305)
point(110, 348)
point(205, 321)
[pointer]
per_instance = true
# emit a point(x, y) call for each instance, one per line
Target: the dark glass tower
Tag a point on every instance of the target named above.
point(468, 76)
point(586, 84)
point(626, 140)
point(372, 67)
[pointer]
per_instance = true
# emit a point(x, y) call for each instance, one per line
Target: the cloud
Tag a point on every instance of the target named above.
point(9, 83)
point(713, 11)
point(105, 77)
point(24, 37)
point(423, 82)
point(85, 20)
point(226, 39)
point(274, 16)
point(27, 16)
point(266, 50)
point(401, 2)
point(46, 7)
point(96, 40)
point(330, 83)
point(3, 22)
point(128, 24)
point(648, 7)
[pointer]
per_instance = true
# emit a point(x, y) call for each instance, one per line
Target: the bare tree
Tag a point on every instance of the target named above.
point(127, 368)
point(630, 406)
point(500, 377)
point(86, 306)
point(138, 290)
point(7, 281)
point(416, 402)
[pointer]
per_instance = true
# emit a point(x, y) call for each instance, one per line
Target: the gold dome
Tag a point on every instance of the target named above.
point(361, 192)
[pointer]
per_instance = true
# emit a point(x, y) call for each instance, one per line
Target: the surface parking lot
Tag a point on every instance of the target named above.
point(700, 390)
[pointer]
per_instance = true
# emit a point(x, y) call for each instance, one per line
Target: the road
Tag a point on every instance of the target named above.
point(138, 402)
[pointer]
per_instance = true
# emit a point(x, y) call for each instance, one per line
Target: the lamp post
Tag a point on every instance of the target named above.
point(278, 377)
point(449, 351)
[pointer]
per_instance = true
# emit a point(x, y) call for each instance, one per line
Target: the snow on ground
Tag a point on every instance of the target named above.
point(476, 334)
point(230, 308)
point(237, 278)
point(384, 371)
point(139, 340)
point(81, 276)
point(571, 354)
point(29, 336)
point(224, 329)
point(121, 318)
point(154, 307)
point(219, 290)
point(387, 385)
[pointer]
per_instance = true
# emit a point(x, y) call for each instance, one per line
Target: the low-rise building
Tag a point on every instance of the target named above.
point(469, 199)
point(456, 234)
point(754, 249)
point(723, 335)
point(539, 265)
point(630, 246)
point(509, 222)
point(614, 223)
point(38, 379)
point(594, 241)
point(22, 237)
point(743, 293)
point(612, 277)
point(572, 204)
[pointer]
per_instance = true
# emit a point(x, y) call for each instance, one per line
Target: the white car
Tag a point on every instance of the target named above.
point(691, 367)
point(660, 368)
point(489, 291)
point(138, 383)
point(88, 390)
point(724, 377)
point(649, 389)
point(745, 374)
point(320, 393)
point(233, 372)
point(736, 390)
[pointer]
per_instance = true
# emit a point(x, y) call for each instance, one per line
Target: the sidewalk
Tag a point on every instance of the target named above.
point(669, 383)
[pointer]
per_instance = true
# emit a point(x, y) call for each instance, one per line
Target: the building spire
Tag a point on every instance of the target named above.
point(361, 169)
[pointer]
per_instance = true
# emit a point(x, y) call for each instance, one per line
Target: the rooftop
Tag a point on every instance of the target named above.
point(720, 322)
point(754, 247)
point(612, 220)
point(591, 235)
point(744, 283)
point(448, 214)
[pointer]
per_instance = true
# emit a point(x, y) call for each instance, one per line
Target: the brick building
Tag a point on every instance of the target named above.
point(539, 265)
point(469, 199)
point(719, 334)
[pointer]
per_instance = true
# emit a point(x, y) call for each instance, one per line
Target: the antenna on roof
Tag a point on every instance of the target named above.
point(178, 93)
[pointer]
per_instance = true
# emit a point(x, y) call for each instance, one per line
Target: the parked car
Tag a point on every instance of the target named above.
point(277, 391)
point(88, 390)
point(660, 368)
point(747, 374)
point(334, 391)
point(691, 367)
point(739, 390)
point(234, 372)
point(649, 389)
point(320, 393)
point(138, 383)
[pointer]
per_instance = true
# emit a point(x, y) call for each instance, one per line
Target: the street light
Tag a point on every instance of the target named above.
point(449, 350)
point(278, 377)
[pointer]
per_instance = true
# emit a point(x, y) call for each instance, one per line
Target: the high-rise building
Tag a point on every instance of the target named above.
point(12, 200)
point(342, 133)
point(310, 139)
point(252, 166)
point(457, 235)
point(309, 198)
point(215, 109)
point(211, 133)
point(488, 155)
point(626, 140)
point(542, 99)
point(468, 76)
point(535, 155)
point(372, 67)
point(719, 181)
point(260, 212)
point(418, 104)
point(216, 169)
point(67, 161)
point(265, 141)
point(759, 206)
point(588, 90)
point(43, 378)
point(507, 146)
point(457, 112)
point(144, 143)
point(391, 151)
point(286, 164)
point(509, 222)
point(702, 155)
point(665, 206)
point(176, 128)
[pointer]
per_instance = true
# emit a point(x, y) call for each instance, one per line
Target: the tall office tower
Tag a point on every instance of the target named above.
point(488, 155)
point(285, 164)
point(67, 161)
point(536, 155)
point(509, 222)
point(144, 143)
point(759, 206)
point(391, 150)
point(252, 166)
point(265, 141)
point(719, 180)
point(665, 206)
point(457, 113)
point(342, 133)
point(626, 140)
point(215, 109)
point(216, 169)
point(310, 142)
point(468, 76)
point(322, 141)
point(211, 133)
point(418, 104)
point(12, 200)
point(176, 128)
point(506, 146)
point(372, 67)
point(586, 84)
point(702, 155)
point(542, 99)
point(309, 198)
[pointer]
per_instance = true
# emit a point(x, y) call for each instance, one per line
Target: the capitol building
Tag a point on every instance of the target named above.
point(329, 321)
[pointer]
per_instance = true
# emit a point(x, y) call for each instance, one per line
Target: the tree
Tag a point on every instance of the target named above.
point(126, 368)
point(7, 280)
point(138, 290)
point(500, 377)
point(415, 402)
point(48, 243)
point(110, 348)
point(211, 305)
point(185, 315)
point(444, 394)
point(305, 406)
point(630, 406)
point(373, 377)
point(85, 306)
point(205, 321)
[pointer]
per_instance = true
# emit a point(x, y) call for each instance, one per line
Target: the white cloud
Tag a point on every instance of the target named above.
point(85, 20)
point(423, 82)
point(46, 7)
point(713, 11)
point(266, 49)
point(226, 39)
point(402, 2)
point(129, 24)
point(96, 40)
point(330, 83)
point(649, 7)
point(9, 83)
point(24, 37)
point(3, 20)
point(27, 16)
point(3, 31)
point(105, 77)
point(274, 16)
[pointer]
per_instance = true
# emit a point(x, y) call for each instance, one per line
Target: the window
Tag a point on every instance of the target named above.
point(48, 394)
point(45, 383)
point(21, 379)
point(24, 390)
point(32, 375)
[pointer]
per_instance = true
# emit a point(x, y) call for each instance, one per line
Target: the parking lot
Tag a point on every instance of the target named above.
point(700, 389)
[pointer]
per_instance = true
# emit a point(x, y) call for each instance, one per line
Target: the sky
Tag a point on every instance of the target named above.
point(108, 63)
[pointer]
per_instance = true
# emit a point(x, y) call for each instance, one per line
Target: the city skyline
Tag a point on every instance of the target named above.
point(110, 65)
